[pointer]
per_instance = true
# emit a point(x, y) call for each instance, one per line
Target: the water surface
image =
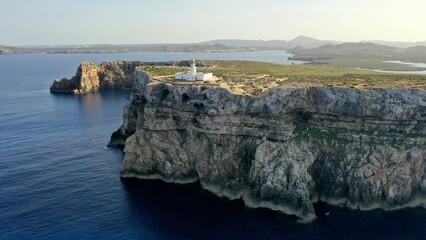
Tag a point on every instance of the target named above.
point(421, 67)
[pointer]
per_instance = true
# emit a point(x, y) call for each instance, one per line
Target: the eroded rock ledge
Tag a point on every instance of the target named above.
point(284, 150)
point(108, 75)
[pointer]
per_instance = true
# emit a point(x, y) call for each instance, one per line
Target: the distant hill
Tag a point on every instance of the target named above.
point(301, 41)
point(9, 50)
point(415, 54)
point(397, 44)
point(275, 44)
point(360, 51)
point(308, 42)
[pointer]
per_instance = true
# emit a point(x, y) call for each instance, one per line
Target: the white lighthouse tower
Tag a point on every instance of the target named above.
point(192, 74)
point(193, 69)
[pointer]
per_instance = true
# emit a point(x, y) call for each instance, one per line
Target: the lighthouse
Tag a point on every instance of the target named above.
point(192, 74)
point(193, 69)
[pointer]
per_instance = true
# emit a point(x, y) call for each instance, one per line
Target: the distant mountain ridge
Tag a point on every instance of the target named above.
point(301, 41)
point(214, 45)
point(219, 45)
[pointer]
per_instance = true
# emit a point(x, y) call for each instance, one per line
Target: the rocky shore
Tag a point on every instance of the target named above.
point(283, 150)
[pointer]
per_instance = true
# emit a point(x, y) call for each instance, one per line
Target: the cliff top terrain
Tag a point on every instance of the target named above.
point(254, 78)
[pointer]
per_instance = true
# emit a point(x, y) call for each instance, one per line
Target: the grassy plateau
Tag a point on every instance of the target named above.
point(254, 78)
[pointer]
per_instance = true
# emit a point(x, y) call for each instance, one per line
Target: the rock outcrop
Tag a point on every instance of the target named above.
point(284, 150)
point(108, 75)
point(91, 78)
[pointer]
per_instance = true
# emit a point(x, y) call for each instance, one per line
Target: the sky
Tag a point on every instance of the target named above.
point(59, 22)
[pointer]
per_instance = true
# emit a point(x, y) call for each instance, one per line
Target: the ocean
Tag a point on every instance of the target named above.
point(59, 181)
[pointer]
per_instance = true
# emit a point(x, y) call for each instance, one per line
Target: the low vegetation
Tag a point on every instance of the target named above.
point(369, 63)
point(363, 55)
point(254, 78)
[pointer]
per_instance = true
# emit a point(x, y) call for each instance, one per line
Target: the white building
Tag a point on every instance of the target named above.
point(192, 74)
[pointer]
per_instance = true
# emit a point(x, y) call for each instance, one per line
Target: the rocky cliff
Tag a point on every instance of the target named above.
point(108, 75)
point(91, 78)
point(283, 150)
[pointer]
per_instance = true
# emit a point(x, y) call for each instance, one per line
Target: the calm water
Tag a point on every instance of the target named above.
point(421, 67)
point(58, 181)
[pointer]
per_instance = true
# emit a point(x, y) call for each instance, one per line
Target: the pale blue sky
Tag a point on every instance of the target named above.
point(31, 22)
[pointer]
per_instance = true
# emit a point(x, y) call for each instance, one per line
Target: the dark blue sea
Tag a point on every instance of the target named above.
point(59, 181)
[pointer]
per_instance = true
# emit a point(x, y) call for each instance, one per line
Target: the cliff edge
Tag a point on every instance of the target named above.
point(91, 78)
point(285, 149)
point(108, 75)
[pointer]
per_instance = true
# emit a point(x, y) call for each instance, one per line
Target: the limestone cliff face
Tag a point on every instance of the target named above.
point(284, 150)
point(91, 78)
point(108, 75)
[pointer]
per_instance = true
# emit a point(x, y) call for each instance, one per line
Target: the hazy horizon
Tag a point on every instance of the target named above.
point(59, 22)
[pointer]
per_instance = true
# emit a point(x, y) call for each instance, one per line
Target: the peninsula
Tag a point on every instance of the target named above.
point(277, 137)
